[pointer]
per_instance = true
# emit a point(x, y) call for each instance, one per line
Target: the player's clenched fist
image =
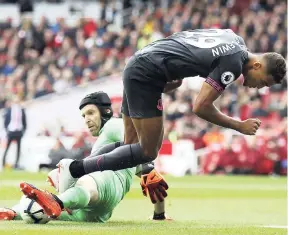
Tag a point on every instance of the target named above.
point(250, 126)
point(154, 185)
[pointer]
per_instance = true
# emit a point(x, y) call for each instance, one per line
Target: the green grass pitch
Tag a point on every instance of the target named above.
point(199, 205)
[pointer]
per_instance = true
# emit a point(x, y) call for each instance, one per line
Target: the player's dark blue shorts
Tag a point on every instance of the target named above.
point(143, 87)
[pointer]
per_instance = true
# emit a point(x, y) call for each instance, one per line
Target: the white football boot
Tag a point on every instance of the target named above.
point(53, 179)
point(65, 178)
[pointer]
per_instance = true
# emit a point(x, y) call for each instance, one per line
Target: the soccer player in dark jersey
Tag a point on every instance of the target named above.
point(219, 55)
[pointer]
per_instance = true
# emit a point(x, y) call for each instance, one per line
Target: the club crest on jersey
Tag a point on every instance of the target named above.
point(160, 105)
point(108, 111)
point(227, 78)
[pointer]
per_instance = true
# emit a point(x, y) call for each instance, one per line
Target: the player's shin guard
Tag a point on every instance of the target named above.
point(75, 198)
point(126, 156)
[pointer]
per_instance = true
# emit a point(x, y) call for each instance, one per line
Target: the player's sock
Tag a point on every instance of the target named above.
point(126, 156)
point(78, 167)
point(75, 198)
point(107, 148)
point(159, 216)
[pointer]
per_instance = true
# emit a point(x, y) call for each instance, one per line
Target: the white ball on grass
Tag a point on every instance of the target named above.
point(31, 212)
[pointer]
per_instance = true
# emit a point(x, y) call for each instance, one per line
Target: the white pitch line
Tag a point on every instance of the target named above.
point(275, 226)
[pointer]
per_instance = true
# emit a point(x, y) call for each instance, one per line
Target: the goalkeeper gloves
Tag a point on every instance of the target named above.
point(154, 185)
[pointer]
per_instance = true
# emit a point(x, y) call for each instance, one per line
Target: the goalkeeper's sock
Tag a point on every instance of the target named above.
point(123, 157)
point(75, 198)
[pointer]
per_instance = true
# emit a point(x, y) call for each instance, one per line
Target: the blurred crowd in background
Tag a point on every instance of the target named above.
point(39, 59)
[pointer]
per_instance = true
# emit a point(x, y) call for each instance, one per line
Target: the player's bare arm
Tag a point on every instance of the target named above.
point(204, 107)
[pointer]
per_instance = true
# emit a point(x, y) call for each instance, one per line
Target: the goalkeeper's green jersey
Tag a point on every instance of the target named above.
point(113, 131)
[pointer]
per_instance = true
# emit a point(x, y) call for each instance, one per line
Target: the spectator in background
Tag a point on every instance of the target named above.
point(214, 136)
point(244, 162)
point(253, 152)
point(258, 110)
point(15, 125)
point(44, 131)
point(97, 46)
point(80, 148)
point(226, 154)
point(57, 153)
point(64, 132)
point(282, 146)
point(273, 155)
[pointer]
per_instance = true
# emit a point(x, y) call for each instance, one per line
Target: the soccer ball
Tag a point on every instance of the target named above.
point(31, 212)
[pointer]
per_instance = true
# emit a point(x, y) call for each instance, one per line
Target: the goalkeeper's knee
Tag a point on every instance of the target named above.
point(89, 184)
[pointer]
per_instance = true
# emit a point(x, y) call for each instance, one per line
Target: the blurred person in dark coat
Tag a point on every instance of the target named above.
point(57, 153)
point(15, 125)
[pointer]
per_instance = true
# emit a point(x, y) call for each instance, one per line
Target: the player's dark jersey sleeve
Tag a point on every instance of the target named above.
point(228, 69)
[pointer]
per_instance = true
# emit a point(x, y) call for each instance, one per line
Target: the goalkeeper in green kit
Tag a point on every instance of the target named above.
point(93, 197)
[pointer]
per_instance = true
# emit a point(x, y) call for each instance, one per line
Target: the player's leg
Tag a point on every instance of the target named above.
point(130, 136)
point(81, 194)
point(160, 139)
point(18, 142)
point(147, 118)
point(6, 150)
point(112, 187)
point(76, 197)
point(150, 135)
point(145, 111)
point(106, 192)
point(50, 203)
point(75, 215)
point(107, 148)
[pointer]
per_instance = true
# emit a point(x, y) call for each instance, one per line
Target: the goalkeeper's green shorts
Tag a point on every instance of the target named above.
point(112, 187)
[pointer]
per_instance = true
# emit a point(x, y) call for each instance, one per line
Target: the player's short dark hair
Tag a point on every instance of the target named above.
point(276, 66)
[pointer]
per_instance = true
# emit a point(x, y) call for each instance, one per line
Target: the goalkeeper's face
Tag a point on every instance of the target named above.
point(92, 117)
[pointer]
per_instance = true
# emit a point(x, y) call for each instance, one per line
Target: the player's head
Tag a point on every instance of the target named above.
point(264, 70)
point(96, 110)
